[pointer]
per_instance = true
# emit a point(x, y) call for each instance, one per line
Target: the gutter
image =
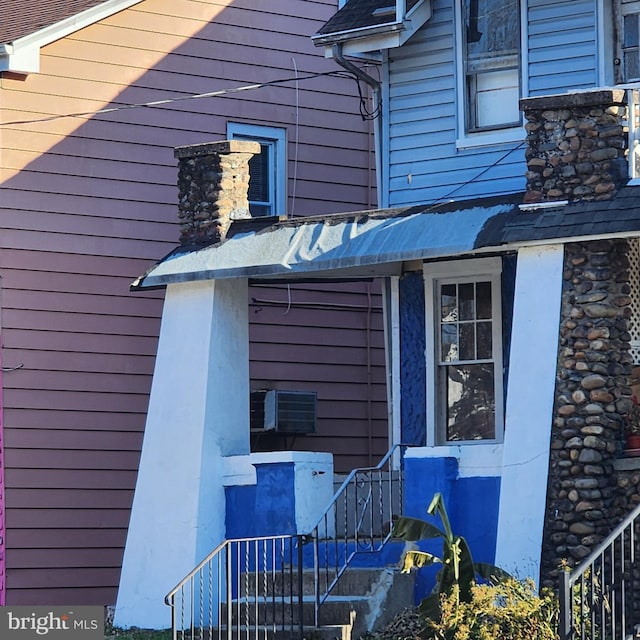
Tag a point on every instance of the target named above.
point(376, 86)
point(357, 33)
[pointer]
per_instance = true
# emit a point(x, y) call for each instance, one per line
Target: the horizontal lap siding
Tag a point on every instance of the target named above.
point(424, 164)
point(88, 203)
point(562, 45)
point(344, 366)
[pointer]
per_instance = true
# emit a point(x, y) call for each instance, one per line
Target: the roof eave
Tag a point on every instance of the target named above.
point(378, 37)
point(23, 54)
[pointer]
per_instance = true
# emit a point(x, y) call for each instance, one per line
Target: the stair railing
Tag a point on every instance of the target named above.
point(598, 599)
point(246, 587)
point(253, 587)
point(358, 520)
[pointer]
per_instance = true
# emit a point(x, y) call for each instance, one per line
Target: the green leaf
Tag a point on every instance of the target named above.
point(430, 607)
point(413, 529)
point(437, 507)
point(466, 571)
point(418, 559)
point(490, 572)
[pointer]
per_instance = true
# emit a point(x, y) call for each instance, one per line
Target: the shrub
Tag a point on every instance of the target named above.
point(508, 610)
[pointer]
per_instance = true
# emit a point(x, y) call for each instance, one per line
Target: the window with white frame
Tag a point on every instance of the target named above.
point(464, 351)
point(490, 64)
point(267, 170)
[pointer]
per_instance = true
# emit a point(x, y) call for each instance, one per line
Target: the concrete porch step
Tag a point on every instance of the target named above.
point(354, 581)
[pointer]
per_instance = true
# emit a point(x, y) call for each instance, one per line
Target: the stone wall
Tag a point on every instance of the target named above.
point(213, 182)
point(584, 501)
point(576, 145)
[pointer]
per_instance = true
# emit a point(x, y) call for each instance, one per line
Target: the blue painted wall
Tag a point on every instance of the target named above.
point(266, 508)
point(412, 360)
point(471, 503)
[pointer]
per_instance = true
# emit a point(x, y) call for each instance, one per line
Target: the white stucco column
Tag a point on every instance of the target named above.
point(198, 413)
point(529, 409)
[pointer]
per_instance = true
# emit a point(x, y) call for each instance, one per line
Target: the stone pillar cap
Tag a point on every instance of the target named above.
point(223, 147)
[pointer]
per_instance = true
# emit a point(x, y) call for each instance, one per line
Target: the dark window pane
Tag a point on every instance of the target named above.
point(631, 30)
point(631, 64)
point(449, 342)
point(466, 303)
point(485, 340)
point(259, 176)
point(448, 311)
point(483, 300)
point(492, 27)
point(470, 402)
point(258, 210)
point(467, 342)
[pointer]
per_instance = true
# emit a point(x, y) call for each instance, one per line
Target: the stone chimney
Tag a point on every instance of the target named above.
point(213, 182)
point(576, 145)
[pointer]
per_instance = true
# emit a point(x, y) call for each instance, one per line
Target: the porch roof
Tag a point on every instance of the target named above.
point(375, 243)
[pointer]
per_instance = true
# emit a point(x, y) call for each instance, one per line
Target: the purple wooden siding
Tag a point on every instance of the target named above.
point(88, 204)
point(343, 364)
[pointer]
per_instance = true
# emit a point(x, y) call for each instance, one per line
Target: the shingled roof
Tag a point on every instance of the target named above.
point(358, 14)
point(19, 18)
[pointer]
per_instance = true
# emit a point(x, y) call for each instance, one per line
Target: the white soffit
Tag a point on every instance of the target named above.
point(23, 55)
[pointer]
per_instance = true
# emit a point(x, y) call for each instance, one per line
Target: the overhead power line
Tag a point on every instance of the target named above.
point(168, 101)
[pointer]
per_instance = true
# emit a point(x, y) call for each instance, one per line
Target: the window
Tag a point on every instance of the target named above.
point(490, 63)
point(464, 351)
point(629, 42)
point(267, 183)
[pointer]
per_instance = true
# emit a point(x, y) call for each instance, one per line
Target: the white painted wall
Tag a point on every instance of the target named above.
point(198, 414)
point(529, 410)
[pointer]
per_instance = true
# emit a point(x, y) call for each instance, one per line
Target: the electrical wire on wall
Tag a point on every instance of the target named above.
point(296, 141)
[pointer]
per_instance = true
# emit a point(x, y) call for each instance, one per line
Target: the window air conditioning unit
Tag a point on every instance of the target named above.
point(283, 411)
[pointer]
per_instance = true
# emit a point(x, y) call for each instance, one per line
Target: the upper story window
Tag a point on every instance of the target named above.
point(629, 41)
point(464, 347)
point(267, 183)
point(491, 63)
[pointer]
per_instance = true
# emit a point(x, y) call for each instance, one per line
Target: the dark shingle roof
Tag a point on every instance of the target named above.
point(621, 215)
point(359, 14)
point(19, 18)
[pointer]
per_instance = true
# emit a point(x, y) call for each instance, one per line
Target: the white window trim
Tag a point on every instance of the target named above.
point(460, 271)
point(509, 134)
point(278, 138)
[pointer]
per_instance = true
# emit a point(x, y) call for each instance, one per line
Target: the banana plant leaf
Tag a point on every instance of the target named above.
point(413, 529)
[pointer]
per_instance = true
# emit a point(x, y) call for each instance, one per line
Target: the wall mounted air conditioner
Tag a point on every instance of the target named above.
point(283, 411)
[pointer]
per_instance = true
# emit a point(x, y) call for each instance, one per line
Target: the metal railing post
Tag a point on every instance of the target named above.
point(565, 619)
point(300, 591)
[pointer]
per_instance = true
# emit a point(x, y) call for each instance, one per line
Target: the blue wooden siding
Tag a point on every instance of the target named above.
point(562, 45)
point(423, 164)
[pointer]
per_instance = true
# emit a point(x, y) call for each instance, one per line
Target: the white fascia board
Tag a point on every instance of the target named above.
point(23, 55)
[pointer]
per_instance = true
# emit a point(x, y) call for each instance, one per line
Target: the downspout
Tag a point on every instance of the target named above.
point(336, 51)
point(375, 85)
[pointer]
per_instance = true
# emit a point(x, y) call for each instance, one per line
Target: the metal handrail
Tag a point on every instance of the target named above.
point(597, 597)
point(245, 586)
point(352, 506)
point(245, 583)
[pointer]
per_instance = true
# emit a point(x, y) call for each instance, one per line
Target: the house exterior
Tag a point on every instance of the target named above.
point(508, 241)
point(88, 198)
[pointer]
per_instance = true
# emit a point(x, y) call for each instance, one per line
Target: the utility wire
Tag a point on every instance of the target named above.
point(159, 103)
